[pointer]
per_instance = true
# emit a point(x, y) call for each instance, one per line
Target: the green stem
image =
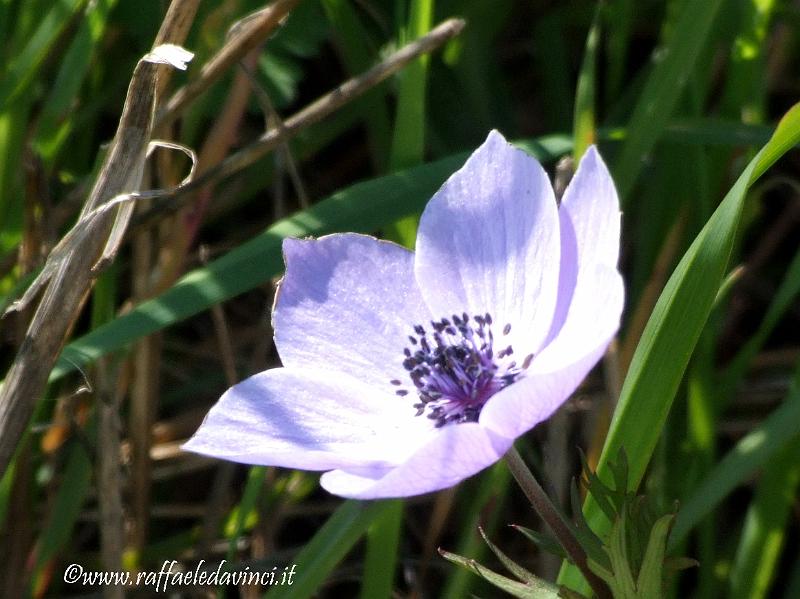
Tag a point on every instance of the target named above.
point(554, 520)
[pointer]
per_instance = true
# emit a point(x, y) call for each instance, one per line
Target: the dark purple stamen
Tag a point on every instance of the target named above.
point(454, 370)
point(527, 361)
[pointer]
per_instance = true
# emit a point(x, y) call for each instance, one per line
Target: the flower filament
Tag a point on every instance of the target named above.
point(455, 370)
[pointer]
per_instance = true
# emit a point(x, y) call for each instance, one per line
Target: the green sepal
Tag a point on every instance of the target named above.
point(591, 543)
point(540, 589)
point(510, 565)
point(542, 541)
point(651, 575)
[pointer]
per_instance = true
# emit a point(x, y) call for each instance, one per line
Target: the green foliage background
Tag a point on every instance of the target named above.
point(684, 98)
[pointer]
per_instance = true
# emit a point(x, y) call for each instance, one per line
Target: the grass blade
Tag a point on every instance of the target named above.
point(357, 51)
point(328, 546)
point(764, 531)
point(662, 89)
point(408, 141)
point(584, 121)
point(54, 126)
point(538, 589)
point(751, 452)
point(25, 66)
point(380, 562)
point(250, 495)
point(620, 13)
point(781, 302)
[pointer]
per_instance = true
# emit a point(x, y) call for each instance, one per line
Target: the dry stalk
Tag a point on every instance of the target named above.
point(109, 475)
point(220, 139)
point(17, 540)
point(174, 29)
point(70, 270)
point(313, 113)
point(73, 277)
point(147, 353)
point(250, 35)
point(283, 157)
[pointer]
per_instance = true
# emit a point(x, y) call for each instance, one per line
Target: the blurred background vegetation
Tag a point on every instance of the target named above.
point(679, 94)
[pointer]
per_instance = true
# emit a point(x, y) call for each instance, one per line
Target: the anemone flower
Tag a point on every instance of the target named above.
point(407, 372)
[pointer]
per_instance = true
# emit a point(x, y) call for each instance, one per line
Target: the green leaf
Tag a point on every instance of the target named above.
point(510, 565)
point(784, 139)
point(609, 500)
point(539, 590)
point(764, 533)
point(591, 543)
point(650, 581)
point(24, 68)
point(583, 121)
point(672, 66)
point(753, 451)
point(328, 547)
point(673, 329)
point(380, 562)
point(622, 584)
point(542, 541)
point(53, 126)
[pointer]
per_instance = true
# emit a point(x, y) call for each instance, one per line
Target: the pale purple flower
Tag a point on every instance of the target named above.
point(407, 372)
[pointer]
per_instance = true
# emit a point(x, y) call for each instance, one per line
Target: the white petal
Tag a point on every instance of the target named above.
point(455, 452)
point(488, 241)
point(309, 419)
point(348, 302)
point(555, 373)
point(590, 228)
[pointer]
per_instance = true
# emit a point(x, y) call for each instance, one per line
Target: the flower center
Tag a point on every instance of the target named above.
point(455, 370)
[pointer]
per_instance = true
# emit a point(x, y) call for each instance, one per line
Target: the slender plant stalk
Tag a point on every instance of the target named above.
point(73, 277)
point(173, 30)
point(250, 34)
point(109, 475)
point(554, 520)
point(313, 113)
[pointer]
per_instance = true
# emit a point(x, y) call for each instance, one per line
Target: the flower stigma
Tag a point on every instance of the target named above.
point(455, 370)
